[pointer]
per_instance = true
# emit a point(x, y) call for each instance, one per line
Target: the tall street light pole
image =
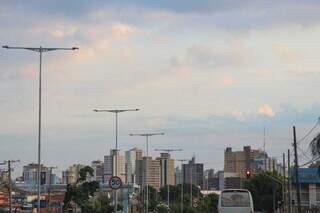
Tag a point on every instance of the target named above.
point(40, 50)
point(168, 187)
point(116, 112)
point(182, 181)
point(147, 135)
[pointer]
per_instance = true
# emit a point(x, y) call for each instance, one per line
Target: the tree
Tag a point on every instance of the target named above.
point(266, 190)
point(82, 191)
point(315, 146)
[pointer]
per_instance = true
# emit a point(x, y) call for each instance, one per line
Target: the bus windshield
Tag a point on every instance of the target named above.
point(235, 199)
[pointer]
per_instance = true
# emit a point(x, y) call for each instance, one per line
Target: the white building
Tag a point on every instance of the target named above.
point(130, 164)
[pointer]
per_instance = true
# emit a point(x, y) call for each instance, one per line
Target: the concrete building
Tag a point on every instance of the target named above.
point(177, 176)
point(210, 180)
point(109, 165)
point(97, 166)
point(153, 172)
point(30, 175)
point(193, 173)
point(310, 189)
point(229, 180)
point(241, 161)
point(166, 169)
point(71, 175)
point(130, 164)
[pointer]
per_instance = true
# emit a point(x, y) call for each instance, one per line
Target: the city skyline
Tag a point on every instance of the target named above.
point(204, 73)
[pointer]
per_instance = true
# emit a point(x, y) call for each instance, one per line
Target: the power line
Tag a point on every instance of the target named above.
point(309, 132)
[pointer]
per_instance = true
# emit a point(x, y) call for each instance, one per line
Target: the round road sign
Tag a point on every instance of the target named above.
point(115, 182)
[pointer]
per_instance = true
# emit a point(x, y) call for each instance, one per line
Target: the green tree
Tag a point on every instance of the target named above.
point(266, 190)
point(82, 191)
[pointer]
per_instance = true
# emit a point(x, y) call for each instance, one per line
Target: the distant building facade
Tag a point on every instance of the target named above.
point(241, 161)
point(97, 167)
point(131, 157)
point(178, 176)
point(72, 174)
point(30, 175)
point(111, 162)
point(193, 173)
point(166, 169)
point(153, 176)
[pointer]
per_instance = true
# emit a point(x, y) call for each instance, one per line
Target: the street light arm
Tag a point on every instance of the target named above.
point(40, 49)
point(115, 110)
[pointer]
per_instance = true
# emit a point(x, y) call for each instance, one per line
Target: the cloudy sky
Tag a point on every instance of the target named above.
point(210, 74)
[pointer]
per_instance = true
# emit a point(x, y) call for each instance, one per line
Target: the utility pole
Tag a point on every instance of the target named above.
point(289, 183)
point(168, 187)
point(9, 162)
point(284, 180)
point(296, 169)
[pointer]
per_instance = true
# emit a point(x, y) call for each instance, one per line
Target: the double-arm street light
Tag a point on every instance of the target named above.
point(168, 187)
point(116, 112)
point(40, 50)
point(147, 135)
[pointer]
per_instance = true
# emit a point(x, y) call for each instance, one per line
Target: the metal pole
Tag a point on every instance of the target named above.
point(116, 164)
point(39, 131)
point(191, 186)
point(296, 169)
point(168, 199)
point(49, 188)
point(10, 186)
point(289, 183)
point(147, 195)
point(284, 180)
point(274, 198)
point(182, 180)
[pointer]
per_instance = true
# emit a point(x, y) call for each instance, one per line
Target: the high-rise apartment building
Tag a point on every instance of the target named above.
point(177, 176)
point(241, 161)
point(153, 172)
point(166, 169)
point(193, 173)
point(130, 164)
point(72, 174)
point(111, 162)
point(30, 175)
point(97, 167)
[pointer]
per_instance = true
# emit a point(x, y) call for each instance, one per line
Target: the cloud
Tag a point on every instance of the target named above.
point(120, 29)
point(226, 80)
point(267, 110)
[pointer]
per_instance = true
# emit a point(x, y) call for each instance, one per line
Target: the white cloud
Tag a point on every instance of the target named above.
point(267, 110)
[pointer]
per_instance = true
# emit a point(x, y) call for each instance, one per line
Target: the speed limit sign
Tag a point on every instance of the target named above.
point(115, 182)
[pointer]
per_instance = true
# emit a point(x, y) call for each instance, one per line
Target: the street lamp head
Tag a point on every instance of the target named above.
point(5, 46)
point(95, 110)
point(75, 48)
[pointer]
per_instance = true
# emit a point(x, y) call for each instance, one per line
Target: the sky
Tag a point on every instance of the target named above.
point(209, 74)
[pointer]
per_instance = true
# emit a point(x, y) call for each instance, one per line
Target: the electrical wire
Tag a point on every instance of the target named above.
point(309, 132)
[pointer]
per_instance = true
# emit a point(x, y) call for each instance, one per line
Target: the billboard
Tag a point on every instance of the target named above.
point(307, 175)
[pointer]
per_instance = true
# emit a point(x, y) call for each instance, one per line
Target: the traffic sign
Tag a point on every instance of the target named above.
point(115, 182)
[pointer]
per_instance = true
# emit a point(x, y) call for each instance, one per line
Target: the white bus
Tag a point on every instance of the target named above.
point(235, 201)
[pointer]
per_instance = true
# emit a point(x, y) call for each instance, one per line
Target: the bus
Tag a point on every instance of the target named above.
point(235, 201)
